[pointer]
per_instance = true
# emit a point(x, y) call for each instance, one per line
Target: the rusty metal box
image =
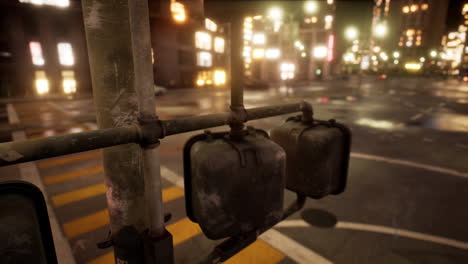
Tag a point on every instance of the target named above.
point(233, 186)
point(317, 155)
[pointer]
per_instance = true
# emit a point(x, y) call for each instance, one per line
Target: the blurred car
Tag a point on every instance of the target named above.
point(382, 77)
point(159, 90)
point(256, 84)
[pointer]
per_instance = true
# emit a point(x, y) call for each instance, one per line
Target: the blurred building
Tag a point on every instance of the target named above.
point(43, 47)
point(292, 42)
point(422, 27)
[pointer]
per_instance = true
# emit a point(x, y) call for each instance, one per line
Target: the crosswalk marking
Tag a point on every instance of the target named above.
point(85, 224)
point(101, 218)
point(258, 252)
point(104, 259)
point(183, 230)
point(168, 194)
point(80, 194)
point(72, 175)
point(69, 159)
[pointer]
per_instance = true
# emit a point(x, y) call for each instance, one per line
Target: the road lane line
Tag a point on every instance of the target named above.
point(81, 129)
point(72, 175)
point(37, 130)
point(104, 259)
point(69, 159)
point(77, 195)
point(403, 233)
point(409, 164)
point(291, 248)
point(99, 219)
point(29, 172)
point(258, 252)
point(383, 230)
point(183, 230)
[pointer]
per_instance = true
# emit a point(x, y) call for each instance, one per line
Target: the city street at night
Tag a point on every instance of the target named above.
point(407, 184)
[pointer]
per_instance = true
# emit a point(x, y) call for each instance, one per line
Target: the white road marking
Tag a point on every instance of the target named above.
point(384, 230)
point(286, 245)
point(292, 249)
point(29, 172)
point(410, 164)
point(61, 109)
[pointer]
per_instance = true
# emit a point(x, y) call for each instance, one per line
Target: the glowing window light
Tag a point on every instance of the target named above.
point(65, 52)
point(414, 8)
point(380, 30)
point(36, 53)
point(424, 7)
point(204, 59)
point(406, 9)
point(330, 47)
point(259, 39)
point(219, 45)
point(219, 77)
point(330, 2)
point(41, 82)
point(56, 3)
point(210, 25)
point(396, 54)
point(275, 13)
point(314, 20)
point(178, 12)
point(258, 53)
point(320, 52)
point(68, 82)
point(413, 66)
point(202, 40)
point(311, 7)
point(272, 54)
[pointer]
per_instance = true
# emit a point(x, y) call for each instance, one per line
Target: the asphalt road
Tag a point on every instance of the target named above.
point(407, 189)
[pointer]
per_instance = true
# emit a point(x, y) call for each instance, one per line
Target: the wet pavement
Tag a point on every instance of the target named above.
point(407, 189)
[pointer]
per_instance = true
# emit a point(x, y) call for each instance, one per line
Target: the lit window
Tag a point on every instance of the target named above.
point(41, 82)
point(330, 2)
point(210, 25)
point(204, 78)
point(219, 77)
point(410, 32)
point(424, 6)
point(259, 39)
point(328, 22)
point(203, 40)
point(320, 52)
point(258, 53)
point(68, 82)
point(65, 54)
point(219, 45)
point(204, 59)
point(406, 9)
point(314, 20)
point(56, 3)
point(36, 53)
point(178, 12)
point(465, 9)
point(272, 54)
point(414, 8)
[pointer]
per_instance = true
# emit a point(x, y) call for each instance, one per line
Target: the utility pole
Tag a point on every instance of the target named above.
point(119, 47)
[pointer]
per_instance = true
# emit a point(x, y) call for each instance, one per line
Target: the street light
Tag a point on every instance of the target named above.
point(433, 53)
point(351, 33)
point(311, 7)
point(275, 13)
point(380, 30)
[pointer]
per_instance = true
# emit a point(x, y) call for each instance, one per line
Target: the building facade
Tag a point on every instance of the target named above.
point(43, 47)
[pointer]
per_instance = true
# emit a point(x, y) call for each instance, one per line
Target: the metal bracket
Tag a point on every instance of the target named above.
point(151, 130)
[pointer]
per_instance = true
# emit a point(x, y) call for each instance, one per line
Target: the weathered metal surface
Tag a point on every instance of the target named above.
point(233, 186)
point(317, 156)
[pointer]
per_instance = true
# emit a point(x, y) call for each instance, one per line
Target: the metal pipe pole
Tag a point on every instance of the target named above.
point(117, 34)
point(237, 62)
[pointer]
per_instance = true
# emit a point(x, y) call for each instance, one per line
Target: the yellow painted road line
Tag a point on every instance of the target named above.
point(168, 194)
point(104, 259)
point(58, 127)
point(72, 175)
point(77, 195)
point(183, 230)
point(68, 159)
point(57, 133)
point(101, 218)
point(86, 224)
point(258, 252)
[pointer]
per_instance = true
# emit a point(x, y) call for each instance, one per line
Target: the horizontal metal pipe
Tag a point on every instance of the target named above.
point(36, 149)
point(42, 148)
